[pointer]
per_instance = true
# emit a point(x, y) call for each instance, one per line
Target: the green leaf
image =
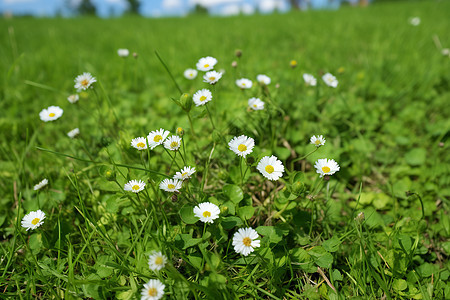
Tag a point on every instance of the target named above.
point(336, 275)
point(399, 285)
point(184, 241)
point(274, 234)
point(125, 295)
point(416, 157)
point(231, 222)
point(187, 214)
point(246, 212)
point(331, 245)
point(35, 242)
point(321, 257)
point(427, 269)
point(233, 192)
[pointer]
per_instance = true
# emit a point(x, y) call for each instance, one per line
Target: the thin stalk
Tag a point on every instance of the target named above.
point(210, 117)
point(168, 71)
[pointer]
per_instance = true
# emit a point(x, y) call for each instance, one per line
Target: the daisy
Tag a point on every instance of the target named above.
point(123, 52)
point(256, 104)
point(73, 133)
point(41, 184)
point(170, 185)
point(270, 167)
point(207, 212)
point(326, 167)
point(33, 220)
point(185, 173)
point(330, 80)
point(157, 137)
point(173, 143)
point(157, 261)
point(317, 140)
point(293, 63)
point(245, 241)
point(139, 143)
point(244, 83)
point(212, 77)
point(134, 186)
point(309, 79)
point(84, 81)
point(190, 73)
point(50, 113)
point(263, 79)
point(206, 63)
point(445, 51)
point(153, 290)
point(242, 145)
point(414, 21)
point(202, 97)
point(73, 98)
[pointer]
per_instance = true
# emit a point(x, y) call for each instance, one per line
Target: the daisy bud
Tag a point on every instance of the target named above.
point(238, 53)
point(277, 85)
point(110, 175)
point(234, 64)
point(180, 131)
point(293, 63)
point(135, 55)
point(186, 102)
point(441, 144)
point(360, 218)
point(174, 198)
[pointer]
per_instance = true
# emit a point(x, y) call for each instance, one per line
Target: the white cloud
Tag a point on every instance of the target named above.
point(248, 9)
point(268, 6)
point(210, 3)
point(231, 10)
point(169, 4)
point(17, 1)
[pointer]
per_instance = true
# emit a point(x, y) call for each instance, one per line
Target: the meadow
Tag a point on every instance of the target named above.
point(377, 228)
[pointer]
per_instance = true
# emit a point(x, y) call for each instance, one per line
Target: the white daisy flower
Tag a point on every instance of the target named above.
point(84, 81)
point(33, 220)
point(318, 140)
point(134, 186)
point(330, 80)
point(157, 261)
point(185, 173)
point(414, 21)
point(190, 73)
point(170, 185)
point(309, 79)
point(244, 83)
point(263, 79)
point(256, 104)
point(242, 145)
point(326, 167)
point(173, 143)
point(445, 51)
point(139, 143)
point(206, 63)
point(245, 241)
point(207, 212)
point(51, 113)
point(202, 97)
point(73, 98)
point(270, 167)
point(153, 290)
point(41, 184)
point(123, 52)
point(212, 77)
point(157, 137)
point(73, 133)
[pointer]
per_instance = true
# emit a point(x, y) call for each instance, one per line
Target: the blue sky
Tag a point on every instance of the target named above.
point(153, 8)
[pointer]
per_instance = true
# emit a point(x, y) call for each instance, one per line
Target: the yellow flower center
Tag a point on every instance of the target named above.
point(173, 144)
point(51, 114)
point(135, 187)
point(247, 241)
point(184, 174)
point(269, 169)
point(242, 147)
point(202, 98)
point(140, 145)
point(159, 260)
point(243, 84)
point(317, 142)
point(170, 186)
point(254, 105)
point(206, 214)
point(35, 221)
point(157, 138)
point(85, 82)
point(206, 65)
point(212, 78)
point(326, 169)
point(152, 292)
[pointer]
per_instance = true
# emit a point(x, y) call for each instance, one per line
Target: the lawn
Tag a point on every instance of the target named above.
point(375, 227)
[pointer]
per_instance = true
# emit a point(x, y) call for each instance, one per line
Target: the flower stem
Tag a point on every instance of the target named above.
point(168, 71)
point(210, 117)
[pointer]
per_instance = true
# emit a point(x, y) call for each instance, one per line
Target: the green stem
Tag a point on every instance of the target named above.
point(168, 71)
point(210, 117)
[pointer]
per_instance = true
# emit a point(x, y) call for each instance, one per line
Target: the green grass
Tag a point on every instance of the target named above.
point(386, 124)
